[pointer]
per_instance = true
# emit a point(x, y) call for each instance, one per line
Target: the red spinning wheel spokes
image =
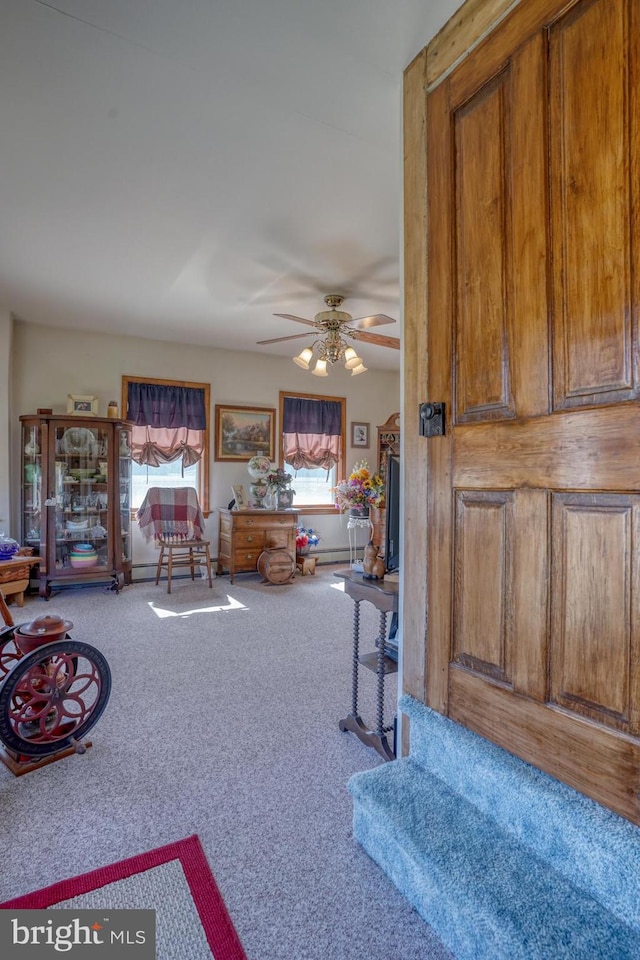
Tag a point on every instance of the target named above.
point(9, 653)
point(52, 697)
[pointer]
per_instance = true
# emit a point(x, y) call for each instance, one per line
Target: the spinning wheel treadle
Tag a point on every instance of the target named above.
point(52, 697)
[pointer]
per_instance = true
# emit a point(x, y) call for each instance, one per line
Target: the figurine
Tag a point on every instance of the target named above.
point(373, 565)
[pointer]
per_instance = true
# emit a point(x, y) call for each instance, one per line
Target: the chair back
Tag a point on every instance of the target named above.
point(171, 515)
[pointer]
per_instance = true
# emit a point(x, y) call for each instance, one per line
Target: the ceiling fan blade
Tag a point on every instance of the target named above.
point(376, 320)
point(295, 336)
point(377, 339)
point(289, 316)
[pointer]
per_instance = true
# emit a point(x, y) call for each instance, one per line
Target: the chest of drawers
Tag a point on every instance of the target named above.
point(244, 534)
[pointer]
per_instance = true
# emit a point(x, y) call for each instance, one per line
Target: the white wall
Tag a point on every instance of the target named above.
point(48, 363)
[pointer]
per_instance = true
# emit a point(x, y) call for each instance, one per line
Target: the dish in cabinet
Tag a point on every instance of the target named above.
point(78, 441)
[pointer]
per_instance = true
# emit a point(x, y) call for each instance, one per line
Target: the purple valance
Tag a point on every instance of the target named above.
point(164, 405)
point(322, 417)
point(311, 433)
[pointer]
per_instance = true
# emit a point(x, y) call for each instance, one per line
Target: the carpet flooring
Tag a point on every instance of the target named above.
point(192, 922)
point(223, 722)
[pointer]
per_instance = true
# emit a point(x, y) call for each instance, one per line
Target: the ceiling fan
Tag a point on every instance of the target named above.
point(333, 326)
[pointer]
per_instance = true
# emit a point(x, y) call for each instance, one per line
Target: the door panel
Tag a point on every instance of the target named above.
point(534, 491)
point(594, 633)
point(593, 355)
point(482, 158)
point(589, 100)
point(482, 592)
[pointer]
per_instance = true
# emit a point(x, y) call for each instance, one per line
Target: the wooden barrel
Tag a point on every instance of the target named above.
point(276, 566)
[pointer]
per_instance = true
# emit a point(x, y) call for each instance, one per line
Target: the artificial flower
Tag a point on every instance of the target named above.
point(306, 537)
point(361, 487)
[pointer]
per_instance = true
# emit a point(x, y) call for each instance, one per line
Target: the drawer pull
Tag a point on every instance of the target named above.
point(249, 539)
point(249, 522)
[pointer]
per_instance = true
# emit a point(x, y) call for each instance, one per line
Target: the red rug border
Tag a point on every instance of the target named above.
point(214, 916)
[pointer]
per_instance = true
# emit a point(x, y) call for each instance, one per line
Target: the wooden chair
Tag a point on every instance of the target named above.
point(174, 517)
point(182, 554)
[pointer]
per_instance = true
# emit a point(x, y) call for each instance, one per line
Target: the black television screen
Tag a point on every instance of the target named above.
point(392, 529)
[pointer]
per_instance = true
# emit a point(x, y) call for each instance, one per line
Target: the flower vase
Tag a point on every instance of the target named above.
point(359, 511)
point(304, 551)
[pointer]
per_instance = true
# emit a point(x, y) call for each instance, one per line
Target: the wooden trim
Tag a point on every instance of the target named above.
point(440, 262)
point(413, 446)
point(461, 33)
point(203, 485)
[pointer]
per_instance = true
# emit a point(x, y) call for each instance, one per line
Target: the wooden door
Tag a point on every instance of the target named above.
point(533, 495)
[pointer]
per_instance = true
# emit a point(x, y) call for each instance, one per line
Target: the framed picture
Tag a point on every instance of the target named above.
point(83, 406)
point(359, 434)
point(244, 432)
point(239, 496)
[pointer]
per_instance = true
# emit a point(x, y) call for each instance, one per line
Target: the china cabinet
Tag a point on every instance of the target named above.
point(76, 488)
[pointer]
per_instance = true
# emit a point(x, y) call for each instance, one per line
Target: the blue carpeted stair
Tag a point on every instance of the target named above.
point(500, 859)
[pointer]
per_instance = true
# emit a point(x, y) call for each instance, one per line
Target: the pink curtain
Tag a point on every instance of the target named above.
point(156, 445)
point(311, 432)
point(310, 450)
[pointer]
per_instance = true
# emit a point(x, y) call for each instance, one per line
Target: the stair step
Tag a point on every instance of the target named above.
point(485, 893)
point(593, 847)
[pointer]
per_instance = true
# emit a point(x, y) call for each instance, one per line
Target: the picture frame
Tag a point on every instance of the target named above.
point(244, 432)
point(239, 496)
point(360, 434)
point(82, 406)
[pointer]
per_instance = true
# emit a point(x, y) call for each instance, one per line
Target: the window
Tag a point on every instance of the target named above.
point(170, 436)
point(164, 475)
point(312, 442)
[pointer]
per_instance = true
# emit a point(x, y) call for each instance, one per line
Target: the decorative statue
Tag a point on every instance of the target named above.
point(373, 565)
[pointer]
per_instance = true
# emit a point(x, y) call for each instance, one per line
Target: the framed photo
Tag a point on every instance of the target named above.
point(359, 434)
point(244, 432)
point(239, 496)
point(82, 406)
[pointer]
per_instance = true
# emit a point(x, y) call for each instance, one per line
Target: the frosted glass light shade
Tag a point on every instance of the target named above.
point(360, 369)
point(303, 358)
point(351, 358)
point(320, 369)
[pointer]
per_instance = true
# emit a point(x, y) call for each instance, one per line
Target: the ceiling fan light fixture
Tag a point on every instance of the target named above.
point(304, 358)
point(320, 369)
point(359, 369)
point(351, 358)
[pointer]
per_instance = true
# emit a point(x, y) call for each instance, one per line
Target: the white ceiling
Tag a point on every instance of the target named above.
point(182, 169)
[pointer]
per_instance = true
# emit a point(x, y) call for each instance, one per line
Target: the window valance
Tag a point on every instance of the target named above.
point(311, 432)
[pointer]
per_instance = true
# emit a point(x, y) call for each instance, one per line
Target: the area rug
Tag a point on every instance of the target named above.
point(192, 921)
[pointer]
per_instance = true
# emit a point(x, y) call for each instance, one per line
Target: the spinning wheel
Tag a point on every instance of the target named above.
point(50, 698)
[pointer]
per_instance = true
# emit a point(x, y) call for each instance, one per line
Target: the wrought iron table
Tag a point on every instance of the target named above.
point(384, 596)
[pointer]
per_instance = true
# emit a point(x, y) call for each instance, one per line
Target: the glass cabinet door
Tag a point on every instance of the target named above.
point(124, 472)
point(32, 506)
point(81, 499)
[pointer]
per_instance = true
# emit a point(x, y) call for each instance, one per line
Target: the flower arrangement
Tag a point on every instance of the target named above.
point(277, 479)
point(361, 488)
point(306, 538)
